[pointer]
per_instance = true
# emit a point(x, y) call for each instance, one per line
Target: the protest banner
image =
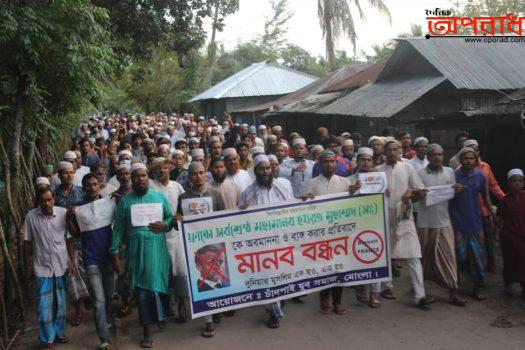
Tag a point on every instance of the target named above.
point(239, 258)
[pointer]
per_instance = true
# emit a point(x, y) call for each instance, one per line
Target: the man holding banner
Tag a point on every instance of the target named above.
point(95, 233)
point(265, 190)
point(329, 183)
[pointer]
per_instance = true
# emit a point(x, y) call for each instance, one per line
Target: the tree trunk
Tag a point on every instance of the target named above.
point(212, 47)
point(329, 38)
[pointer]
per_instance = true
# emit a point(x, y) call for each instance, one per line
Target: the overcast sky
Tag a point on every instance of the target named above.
point(304, 27)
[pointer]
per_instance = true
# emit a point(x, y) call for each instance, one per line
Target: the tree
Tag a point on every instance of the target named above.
point(384, 51)
point(336, 19)
point(221, 9)
point(55, 58)
point(276, 25)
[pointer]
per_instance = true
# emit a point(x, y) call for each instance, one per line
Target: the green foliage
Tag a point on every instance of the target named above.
point(55, 58)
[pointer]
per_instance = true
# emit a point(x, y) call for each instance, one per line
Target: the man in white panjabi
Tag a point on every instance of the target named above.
point(403, 184)
point(299, 169)
point(234, 172)
point(266, 190)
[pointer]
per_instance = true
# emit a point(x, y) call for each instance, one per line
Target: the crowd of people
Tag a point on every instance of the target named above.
point(163, 159)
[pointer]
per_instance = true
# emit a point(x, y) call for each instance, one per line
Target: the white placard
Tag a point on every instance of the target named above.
point(145, 214)
point(195, 206)
point(96, 214)
point(374, 182)
point(438, 194)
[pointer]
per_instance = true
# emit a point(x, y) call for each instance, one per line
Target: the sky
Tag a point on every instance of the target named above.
point(304, 30)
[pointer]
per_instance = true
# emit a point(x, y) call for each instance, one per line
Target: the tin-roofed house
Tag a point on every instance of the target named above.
point(258, 83)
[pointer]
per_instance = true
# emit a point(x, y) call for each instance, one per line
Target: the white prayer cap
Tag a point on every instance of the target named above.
point(214, 139)
point(159, 160)
point(137, 166)
point(194, 139)
point(229, 152)
point(147, 140)
point(256, 149)
point(195, 166)
point(262, 127)
point(434, 146)
point(374, 138)
point(177, 152)
point(65, 166)
point(348, 142)
point(285, 146)
point(215, 129)
point(365, 150)
point(316, 148)
point(112, 131)
point(272, 158)
point(419, 139)
point(298, 141)
point(244, 125)
point(70, 155)
point(165, 146)
point(272, 137)
point(513, 172)
point(345, 134)
point(125, 152)
point(166, 137)
point(259, 159)
point(197, 152)
point(42, 181)
point(277, 128)
point(470, 142)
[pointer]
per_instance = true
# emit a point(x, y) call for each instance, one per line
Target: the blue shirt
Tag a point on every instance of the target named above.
point(95, 244)
point(465, 212)
point(76, 195)
point(90, 159)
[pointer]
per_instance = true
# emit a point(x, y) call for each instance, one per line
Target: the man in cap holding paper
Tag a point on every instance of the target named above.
point(434, 227)
point(266, 190)
point(141, 220)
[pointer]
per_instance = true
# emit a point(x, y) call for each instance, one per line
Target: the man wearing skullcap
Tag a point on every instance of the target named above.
point(489, 227)
point(197, 156)
point(234, 172)
point(435, 229)
point(278, 132)
point(404, 185)
point(200, 189)
point(460, 139)
point(512, 211)
point(344, 168)
point(47, 171)
point(252, 131)
point(178, 159)
point(347, 151)
point(420, 160)
point(67, 193)
point(298, 170)
point(266, 190)
point(328, 183)
point(467, 220)
point(147, 252)
point(376, 144)
point(315, 151)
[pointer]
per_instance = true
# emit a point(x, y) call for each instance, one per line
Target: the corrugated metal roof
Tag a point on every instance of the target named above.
point(258, 79)
point(361, 78)
point(512, 104)
point(478, 65)
point(339, 75)
point(382, 99)
point(308, 104)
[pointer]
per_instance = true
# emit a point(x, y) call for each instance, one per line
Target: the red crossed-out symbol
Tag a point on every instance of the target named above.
point(359, 239)
point(211, 267)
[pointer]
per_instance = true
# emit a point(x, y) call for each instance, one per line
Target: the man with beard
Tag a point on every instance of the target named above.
point(178, 158)
point(171, 190)
point(147, 251)
point(234, 172)
point(404, 185)
point(328, 183)
point(215, 147)
point(266, 190)
point(299, 169)
point(200, 189)
point(230, 192)
point(376, 144)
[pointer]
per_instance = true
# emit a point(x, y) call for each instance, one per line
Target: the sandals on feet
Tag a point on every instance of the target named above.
point(373, 301)
point(326, 306)
point(146, 344)
point(388, 294)
point(339, 310)
point(209, 331)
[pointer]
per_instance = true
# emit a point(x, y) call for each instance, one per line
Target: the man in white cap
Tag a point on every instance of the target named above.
point(252, 131)
point(420, 160)
point(124, 157)
point(278, 132)
point(147, 252)
point(299, 169)
point(489, 227)
point(403, 185)
point(197, 155)
point(263, 132)
point(234, 172)
point(67, 193)
point(347, 151)
point(71, 157)
point(178, 158)
point(266, 190)
point(254, 151)
point(199, 189)
point(376, 144)
point(435, 229)
point(512, 211)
